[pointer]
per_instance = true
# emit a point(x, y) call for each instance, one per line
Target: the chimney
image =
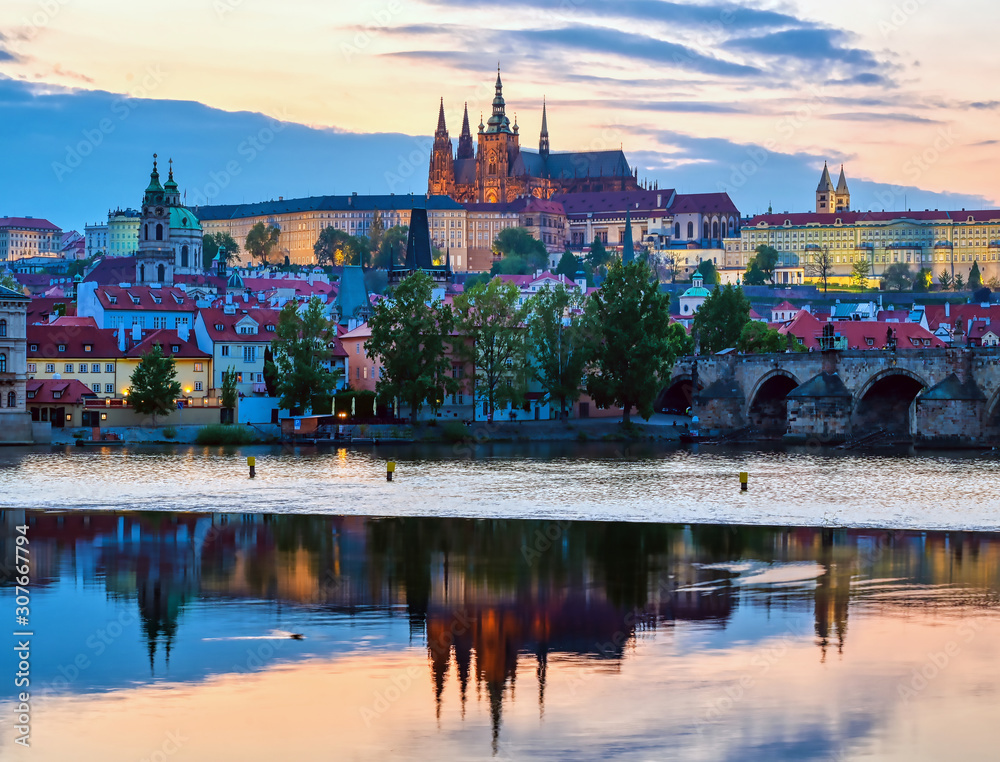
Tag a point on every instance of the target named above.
point(136, 333)
point(121, 339)
point(229, 298)
point(947, 309)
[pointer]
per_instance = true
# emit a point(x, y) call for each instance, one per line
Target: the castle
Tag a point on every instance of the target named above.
point(498, 170)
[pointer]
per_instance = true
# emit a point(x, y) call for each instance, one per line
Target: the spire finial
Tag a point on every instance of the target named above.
point(154, 162)
point(170, 162)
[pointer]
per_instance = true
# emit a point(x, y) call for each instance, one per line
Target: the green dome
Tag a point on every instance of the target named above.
point(697, 291)
point(181, 218)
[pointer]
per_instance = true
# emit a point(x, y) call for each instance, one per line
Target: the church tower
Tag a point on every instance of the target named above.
point(466, 148)
point(842, 201)
point(496, 143)
point(442, 175)
point(825, 193)
point(543, 140)
point(170, 236)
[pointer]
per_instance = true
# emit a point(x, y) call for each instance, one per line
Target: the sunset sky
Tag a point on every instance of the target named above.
point(702, 96)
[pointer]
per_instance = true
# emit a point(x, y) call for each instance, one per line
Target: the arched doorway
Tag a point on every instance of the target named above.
point(676, 398)
point(886, 402)
point(768, 410)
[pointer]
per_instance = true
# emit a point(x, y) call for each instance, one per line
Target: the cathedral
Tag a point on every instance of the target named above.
point(498, 170)
point(170, 236)
point(830, 199)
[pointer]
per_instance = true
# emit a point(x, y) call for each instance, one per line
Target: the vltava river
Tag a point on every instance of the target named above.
point(602, 481)
point(167, 636)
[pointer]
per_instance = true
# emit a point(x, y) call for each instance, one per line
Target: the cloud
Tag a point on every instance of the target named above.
point(887, 116)
point(5, 53)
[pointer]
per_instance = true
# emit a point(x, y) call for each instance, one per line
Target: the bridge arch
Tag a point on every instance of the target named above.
point(886, 401)
point(677, 396)
point(767, 405)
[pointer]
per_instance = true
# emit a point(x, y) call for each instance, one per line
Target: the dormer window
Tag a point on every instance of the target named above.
point(175, 348)
point(269, 328)
point(62, 347)
point(219, 327)
point(34, 347)
point(113, 299)
point(31, 395)
point(56, 395)
point(134, 298)
point(157, 299)
point(88, 347)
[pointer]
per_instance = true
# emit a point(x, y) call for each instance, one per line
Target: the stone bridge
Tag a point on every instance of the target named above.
point(932, 397)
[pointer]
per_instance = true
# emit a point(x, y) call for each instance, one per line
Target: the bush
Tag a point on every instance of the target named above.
point(170, 432)
point(77, 435)
point(456, 431)
point(220, 434)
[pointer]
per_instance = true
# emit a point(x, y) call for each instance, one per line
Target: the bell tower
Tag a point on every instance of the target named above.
point(442, 171)
point(493, 157)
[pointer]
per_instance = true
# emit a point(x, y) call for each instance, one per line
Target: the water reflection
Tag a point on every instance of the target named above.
point(168, 598)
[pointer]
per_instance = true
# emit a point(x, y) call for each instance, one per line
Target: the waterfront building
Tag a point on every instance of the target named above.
point(937, 240)
point(236, 338)
point(193, 365)
point(72, 348)
point(28, 237)
point(301, 220)
point(170, 234)
point(15, 423)
point(499, 170)
point(60, 402)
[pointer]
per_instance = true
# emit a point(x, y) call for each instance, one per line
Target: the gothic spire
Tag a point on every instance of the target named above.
point(825, 183)
point(842, 182)
point(466, 150)
point(543, 142)
point(442, 130)
point(628, 250)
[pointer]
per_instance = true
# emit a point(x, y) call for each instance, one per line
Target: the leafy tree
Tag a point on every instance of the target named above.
point(598, 255)
point(958, 282)
point(860, 272)
point(376, 232)
point(376, 281)
point(558, 343)
point(210, 245)
point(820, 266)
point(944, 278)
point(767, 258)
point(633, 346)
point(392, 247)
point(754, 276)
point(301, 351)
point(721, 317)
point(518, 242)
point(975, 277)
point(154, 387)
point(708, 272)
point(270, 374)
point(476, 279)
point(8, 281)
point(261, 242)
point(757, 338)
point(336, 247)
point(897, 277)
point(229, 394)
point(568, 265)
point(409, 335)
point(922, 282)
point(511, 266)
point(493, 322)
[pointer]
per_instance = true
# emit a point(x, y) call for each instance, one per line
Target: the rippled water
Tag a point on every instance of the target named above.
point(604, 481)
point(167, 636)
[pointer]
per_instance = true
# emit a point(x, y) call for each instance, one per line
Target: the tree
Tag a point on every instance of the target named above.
point(270, 374)
point(392, 247)
point(210, 245)
point(409, 334)
point(301, 351)
point(598, 255)
point(568, 265)
point(632, 344)
point(338, 248)
point(767, 258)
point(820, 266)
point(493, 322)
point(860, 272)
point(8, 281)
point(708, 272)
point(721, 317)
point(261, 242)
point(757, 338)
point(754, 276)
point(376, 231)
point(897, 277)
point(558, 343)
point(958, 282)
point(975, 277)
point(511, 266)
point(944, 278)
point(154, 387)
point(518, 242)
point(229, 394)
point(922, 282)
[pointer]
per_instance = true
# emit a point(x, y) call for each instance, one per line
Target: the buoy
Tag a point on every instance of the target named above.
point(252, 462)
point(744, 478)
point(390, 469)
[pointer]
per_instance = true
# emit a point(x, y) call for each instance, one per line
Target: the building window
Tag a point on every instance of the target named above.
point(250, 354)
point(3, 363)
point(225, 350)
point(159, 232)
point(83, 367)
point(3, 329)
point(109, 368)
point(31, 367)
point(95, 368)
point(50, 367)
point(690, 230)
point(34, 347)
point(197, 386)
point(69, 367)
point(109, 388)
point(62, 347)
point(198, 367)
point(96, 388)
point(11, 399)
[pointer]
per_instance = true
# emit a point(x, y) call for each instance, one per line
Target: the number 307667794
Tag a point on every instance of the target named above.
point(23, 600)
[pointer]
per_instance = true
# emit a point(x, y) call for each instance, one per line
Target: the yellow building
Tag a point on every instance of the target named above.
point(302, 220)
point(193, 367)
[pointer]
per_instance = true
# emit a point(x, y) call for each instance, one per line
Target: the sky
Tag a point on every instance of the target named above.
point(255, 99)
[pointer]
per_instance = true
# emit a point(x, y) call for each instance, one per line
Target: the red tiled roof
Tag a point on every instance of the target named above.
point(30, 223)
point(703, 203)
point(808, 329)
point(48, 338)
point(112, 271)
point(43, 391)
point(963, 312)
point(169, 297)
point(213, 317)
point(42, 306)
point(89, 322)
point(784, 307)
point(166, 339)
